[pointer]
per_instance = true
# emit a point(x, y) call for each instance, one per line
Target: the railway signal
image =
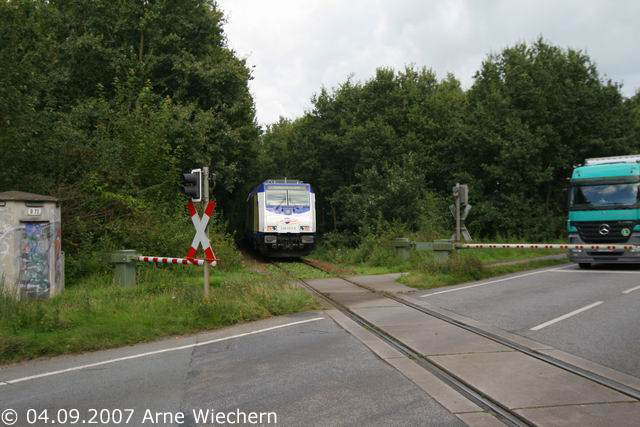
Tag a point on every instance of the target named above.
point(192, 184)
point(196, 186)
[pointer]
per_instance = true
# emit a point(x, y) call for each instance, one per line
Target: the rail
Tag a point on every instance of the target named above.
point(499, 410)
point(481, 399)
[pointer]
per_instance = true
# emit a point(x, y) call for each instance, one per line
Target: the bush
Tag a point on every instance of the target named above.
point(229, 258)
point(373, 249)
point(152, 232)
point(457, 265)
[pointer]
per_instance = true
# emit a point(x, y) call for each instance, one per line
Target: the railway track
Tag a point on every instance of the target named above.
point(479, 398)
point(489, 404)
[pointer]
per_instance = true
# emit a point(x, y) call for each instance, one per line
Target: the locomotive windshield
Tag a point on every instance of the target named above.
point(287, 195)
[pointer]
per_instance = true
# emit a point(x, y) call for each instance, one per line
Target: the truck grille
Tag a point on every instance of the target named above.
point(589, 231)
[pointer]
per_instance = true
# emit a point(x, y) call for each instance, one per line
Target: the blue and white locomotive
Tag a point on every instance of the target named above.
point(281, 218)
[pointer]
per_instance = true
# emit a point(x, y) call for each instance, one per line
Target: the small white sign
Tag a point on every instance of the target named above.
point(34, 211)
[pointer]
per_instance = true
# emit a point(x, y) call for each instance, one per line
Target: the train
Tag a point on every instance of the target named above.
point(281, 218)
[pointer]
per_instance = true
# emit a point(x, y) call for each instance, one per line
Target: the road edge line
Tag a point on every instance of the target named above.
point(151, 353)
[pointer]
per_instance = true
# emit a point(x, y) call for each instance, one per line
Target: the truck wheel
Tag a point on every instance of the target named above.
point(584, 265)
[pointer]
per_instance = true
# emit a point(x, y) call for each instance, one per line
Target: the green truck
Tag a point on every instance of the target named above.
point(604, 208)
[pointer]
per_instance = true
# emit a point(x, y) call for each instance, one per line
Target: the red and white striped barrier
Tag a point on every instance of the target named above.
point(544, 246)
point(185, 261)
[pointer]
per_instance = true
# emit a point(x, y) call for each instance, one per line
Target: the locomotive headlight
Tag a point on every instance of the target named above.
point(272, 227)
point(304, 228)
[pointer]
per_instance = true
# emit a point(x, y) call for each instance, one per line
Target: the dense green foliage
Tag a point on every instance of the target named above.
point(535, 112)
point(389, 150)
point(104, 103)
point(369, 149)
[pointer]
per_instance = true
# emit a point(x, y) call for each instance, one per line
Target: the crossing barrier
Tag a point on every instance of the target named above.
point(609, 247)
point(125, 264)
point(184, 261)
point(443, 248)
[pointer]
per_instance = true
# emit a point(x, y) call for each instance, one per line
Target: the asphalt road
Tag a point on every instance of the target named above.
point(589, 313)
point(312, 373)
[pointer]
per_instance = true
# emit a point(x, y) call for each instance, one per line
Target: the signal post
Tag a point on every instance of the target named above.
point(205, 200)
point(196, 186)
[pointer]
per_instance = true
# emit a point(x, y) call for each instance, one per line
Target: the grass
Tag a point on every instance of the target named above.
point(94, 314)
point(378, 269)
point(374, 256)
point(370, 257)
point(468, 269)
point(298, 269)
point(504, 255)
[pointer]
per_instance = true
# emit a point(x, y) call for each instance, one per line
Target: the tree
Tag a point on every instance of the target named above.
point(104, 103)
point(534, 112)
point(373, 150)
point(377, 150)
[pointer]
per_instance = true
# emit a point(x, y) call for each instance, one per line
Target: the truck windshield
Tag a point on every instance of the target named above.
point(287, 196)
point(585, 197)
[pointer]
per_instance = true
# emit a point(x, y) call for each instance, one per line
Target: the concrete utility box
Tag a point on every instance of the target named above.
point(31, 257)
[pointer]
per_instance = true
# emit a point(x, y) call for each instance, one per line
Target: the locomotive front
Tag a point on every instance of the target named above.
point(286, 222)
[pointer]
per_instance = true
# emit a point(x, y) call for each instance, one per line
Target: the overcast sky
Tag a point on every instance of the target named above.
point(297, 46)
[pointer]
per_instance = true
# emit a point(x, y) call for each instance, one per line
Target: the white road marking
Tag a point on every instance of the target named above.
point(150, 353)
point(488, 283)
point(600, 271)
point(565, 316)
point(628, 291)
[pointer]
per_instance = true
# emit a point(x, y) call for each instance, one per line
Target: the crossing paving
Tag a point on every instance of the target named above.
point(590, 313)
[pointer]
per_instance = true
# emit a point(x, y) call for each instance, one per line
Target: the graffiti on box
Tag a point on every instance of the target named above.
point(8, 235)
point(34, 260)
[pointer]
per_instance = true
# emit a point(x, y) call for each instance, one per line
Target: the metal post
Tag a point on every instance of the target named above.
point(125, 267)
point(403, 247)
point(205, 200)
point(442, 249)
point(457, 195)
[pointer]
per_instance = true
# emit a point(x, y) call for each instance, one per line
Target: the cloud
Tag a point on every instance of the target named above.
point(296, 47)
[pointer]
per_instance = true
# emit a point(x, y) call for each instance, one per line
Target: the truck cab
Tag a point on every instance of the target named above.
point(604, 208)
